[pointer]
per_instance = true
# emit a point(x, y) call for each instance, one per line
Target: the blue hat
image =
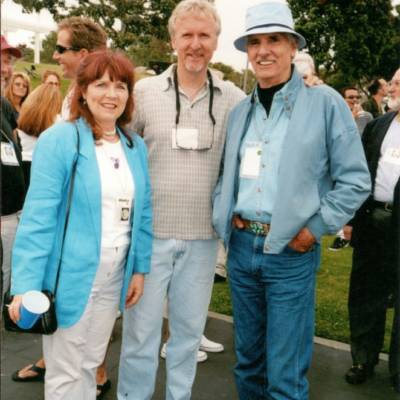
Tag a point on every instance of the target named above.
point(268, 17)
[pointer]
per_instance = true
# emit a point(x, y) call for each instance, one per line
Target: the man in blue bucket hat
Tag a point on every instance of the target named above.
point(294, 169)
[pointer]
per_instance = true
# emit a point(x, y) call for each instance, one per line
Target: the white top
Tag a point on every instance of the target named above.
point(117, 194)
point(28, 144)
point(388, 171)
point(66, 106)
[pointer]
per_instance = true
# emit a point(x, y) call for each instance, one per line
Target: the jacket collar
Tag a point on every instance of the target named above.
point(287, 94)
point(86, 138)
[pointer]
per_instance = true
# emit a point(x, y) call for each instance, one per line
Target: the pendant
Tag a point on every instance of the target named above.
point(115, 161)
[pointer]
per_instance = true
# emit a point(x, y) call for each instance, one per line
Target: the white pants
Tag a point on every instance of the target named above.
point(72, 355)
point(9, 224)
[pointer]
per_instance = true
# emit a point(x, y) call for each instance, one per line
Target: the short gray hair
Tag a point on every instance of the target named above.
point(193, 6)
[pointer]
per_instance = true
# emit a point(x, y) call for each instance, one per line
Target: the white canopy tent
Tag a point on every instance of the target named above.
point(36, 24)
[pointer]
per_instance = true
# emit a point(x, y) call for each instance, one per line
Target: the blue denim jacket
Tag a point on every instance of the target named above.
point(37, 245)
point(323, 175)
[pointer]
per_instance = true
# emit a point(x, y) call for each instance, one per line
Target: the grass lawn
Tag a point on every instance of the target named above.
point(24, 66)
point(331, 303)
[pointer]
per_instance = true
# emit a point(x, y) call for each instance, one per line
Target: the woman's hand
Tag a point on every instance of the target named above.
point(135, 290)
point(14, 307)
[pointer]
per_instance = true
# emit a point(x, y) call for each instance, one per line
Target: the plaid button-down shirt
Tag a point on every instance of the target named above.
point(182, 180)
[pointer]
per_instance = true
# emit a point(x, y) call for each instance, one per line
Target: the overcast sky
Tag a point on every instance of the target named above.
point(232, 14)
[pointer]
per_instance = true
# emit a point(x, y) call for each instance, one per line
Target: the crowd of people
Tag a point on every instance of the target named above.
point(136, 188)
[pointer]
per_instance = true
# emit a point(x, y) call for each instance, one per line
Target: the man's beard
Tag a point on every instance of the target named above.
point(394, 104)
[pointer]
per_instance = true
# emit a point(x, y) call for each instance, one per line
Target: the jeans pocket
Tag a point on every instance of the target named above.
point(292, 252)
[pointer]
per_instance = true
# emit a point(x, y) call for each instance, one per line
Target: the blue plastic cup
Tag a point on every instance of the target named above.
point(34, 304)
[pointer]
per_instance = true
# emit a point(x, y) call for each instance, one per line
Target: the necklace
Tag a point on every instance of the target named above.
point(110, 133)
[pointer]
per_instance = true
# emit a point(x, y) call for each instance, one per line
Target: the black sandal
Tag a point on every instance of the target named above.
point(36, 378)
point(103, 389)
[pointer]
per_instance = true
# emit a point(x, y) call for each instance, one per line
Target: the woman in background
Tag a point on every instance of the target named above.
point(39, 111)
point(18, 90)
point(51, 78)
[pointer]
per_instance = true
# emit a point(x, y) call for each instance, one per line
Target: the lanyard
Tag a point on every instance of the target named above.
point(178, 102)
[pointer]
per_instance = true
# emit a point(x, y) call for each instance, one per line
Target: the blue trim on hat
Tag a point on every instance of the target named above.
point(267, 25)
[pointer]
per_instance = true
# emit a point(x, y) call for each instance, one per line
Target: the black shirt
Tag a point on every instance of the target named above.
point(12, 177)
point(267, 95)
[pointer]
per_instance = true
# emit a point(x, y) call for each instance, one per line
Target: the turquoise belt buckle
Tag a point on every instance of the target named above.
point(257, 228)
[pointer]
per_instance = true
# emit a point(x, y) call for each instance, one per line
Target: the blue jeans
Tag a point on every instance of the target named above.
point(273, 310)
point(182, 271)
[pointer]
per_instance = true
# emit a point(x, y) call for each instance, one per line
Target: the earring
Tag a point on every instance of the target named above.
point(84, 102)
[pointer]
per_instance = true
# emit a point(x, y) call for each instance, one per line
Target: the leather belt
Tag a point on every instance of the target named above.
point(258, 228)
point(386, 206)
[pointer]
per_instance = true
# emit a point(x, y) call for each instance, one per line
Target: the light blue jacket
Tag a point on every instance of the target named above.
point(39, 235)
point(323, 176)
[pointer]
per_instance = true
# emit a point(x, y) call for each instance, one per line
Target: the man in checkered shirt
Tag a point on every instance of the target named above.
point(182, 116)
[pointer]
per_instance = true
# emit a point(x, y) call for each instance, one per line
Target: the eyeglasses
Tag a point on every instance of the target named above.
point(353, 97)
point(61, 49)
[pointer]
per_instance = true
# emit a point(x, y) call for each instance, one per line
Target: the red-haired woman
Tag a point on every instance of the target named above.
point(108, 240)
point(39, 111)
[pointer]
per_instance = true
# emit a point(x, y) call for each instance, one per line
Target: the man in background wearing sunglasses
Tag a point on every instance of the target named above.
point(76, 38)
point(361, 117)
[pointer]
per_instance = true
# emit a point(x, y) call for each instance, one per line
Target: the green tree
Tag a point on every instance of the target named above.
point(27, 52)
point(48, 46)
point(238, 78)
point(154, 50)
point(127, 22)
point(352, 40)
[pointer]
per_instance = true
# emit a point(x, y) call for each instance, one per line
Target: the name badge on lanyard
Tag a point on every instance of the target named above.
point(251, 162)
point(185, 138)
point(123, 208)
point(8, 155)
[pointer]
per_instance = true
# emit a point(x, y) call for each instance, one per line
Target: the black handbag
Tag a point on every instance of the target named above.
point(47, 322)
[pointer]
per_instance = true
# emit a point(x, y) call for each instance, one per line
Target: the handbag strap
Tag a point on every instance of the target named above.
point(69, 201)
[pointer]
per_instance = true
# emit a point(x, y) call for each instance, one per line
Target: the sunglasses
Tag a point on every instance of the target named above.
point(61, 49)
